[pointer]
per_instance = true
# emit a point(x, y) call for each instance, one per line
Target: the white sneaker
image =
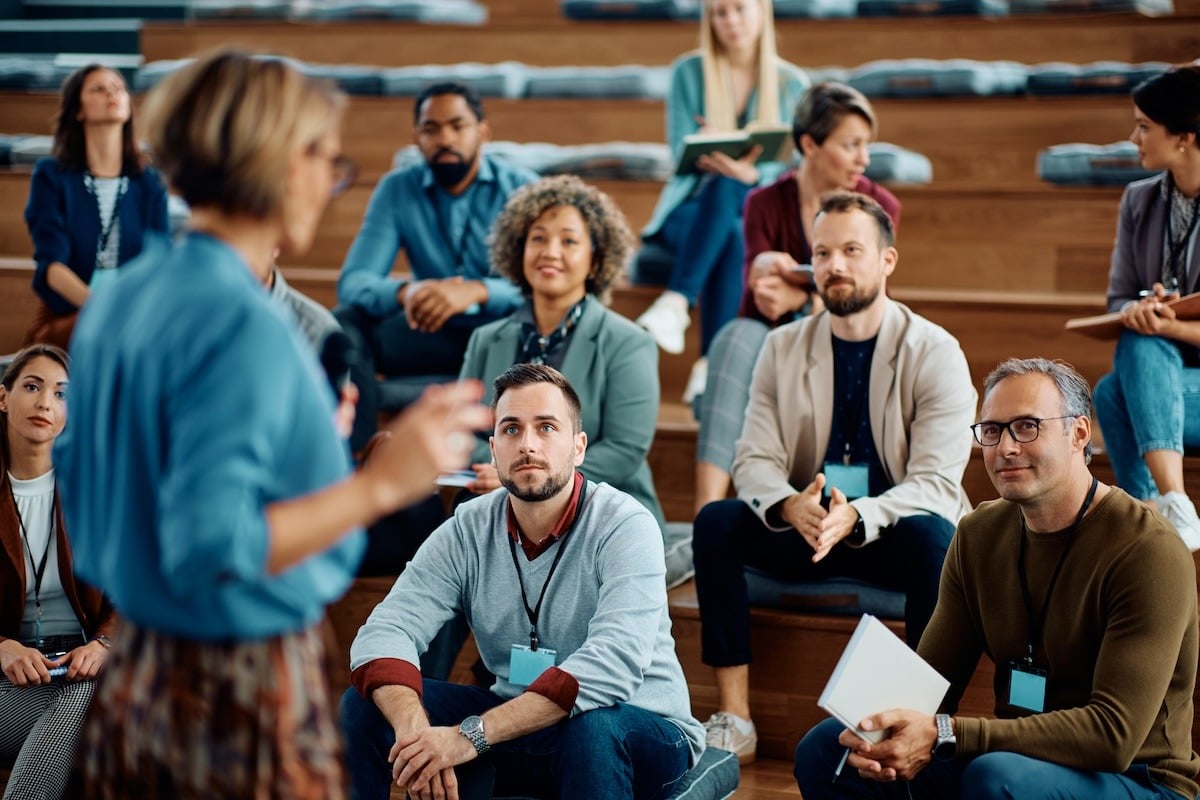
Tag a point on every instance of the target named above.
point(667, 319)
point(725, 732)
point(696, 381)
point(1180, 512)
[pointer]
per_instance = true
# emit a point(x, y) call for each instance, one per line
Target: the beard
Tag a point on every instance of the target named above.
point(450, 173)
point(851, 302)
point(537, 492)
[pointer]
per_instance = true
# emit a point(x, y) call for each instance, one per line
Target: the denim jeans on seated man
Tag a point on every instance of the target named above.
point(992, 776)
point(576, 758)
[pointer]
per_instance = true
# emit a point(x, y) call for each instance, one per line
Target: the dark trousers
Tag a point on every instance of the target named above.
point(619, 751)
point(728, 536)
point(388, 346)
point(992, 776)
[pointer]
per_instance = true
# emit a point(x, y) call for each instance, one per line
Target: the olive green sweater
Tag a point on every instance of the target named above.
point(1120, 639)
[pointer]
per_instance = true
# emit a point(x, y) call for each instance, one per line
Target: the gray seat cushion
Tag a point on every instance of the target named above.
point(1148, 7)
point(629, 9)
point(894, 164)
point(1091, 164)
point(815, 9)
point(923, 77)
point(240, 9)
point(506, 79)
point(446, 12)
point(628, 81)
point(1100, 77)
point(842, 596)
point(932, 8)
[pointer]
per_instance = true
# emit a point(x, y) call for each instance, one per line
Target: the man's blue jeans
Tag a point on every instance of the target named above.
point(992, 776)
point(620, 751)
point(1150, 401)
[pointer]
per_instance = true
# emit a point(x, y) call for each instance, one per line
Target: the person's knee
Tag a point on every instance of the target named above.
point(1001, 776)
point(1106, 392)
point(714, 529)
point(816, 758)
point(359, 718)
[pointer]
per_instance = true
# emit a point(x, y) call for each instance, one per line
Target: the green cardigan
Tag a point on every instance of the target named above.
point(613, 366)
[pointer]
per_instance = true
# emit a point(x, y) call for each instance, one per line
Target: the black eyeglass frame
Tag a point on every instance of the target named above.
point(976, 429)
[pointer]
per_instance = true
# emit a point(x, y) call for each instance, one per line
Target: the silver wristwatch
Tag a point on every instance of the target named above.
point(946, 745)
point(472, 728)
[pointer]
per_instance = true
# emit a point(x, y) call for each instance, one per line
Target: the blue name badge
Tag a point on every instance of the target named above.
point(1026, 686)
point(525, 665)
point(851, 479)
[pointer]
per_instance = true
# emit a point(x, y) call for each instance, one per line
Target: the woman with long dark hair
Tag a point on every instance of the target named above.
point(91, 204)
point(54, 629)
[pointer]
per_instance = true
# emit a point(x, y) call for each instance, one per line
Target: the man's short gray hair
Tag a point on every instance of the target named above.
point(1075, 391)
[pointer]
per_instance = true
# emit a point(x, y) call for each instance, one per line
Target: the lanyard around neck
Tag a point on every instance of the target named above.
point(1036, 623)
point(39, 569)
point(534, 613)
point(106, 228)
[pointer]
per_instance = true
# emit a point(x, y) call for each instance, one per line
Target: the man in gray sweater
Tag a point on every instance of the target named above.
point(563, 583)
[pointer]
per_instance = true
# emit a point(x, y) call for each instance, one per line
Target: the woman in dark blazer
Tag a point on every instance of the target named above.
point(564, 242)
point(92, 204)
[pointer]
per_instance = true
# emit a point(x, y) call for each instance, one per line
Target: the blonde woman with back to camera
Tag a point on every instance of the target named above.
point(205, 440)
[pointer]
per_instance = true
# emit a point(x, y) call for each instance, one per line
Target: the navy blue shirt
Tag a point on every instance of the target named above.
point(852, 411)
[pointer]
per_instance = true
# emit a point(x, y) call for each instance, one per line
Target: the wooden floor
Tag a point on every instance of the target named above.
point(767, 779)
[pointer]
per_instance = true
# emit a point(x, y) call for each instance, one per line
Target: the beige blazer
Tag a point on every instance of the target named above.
point(921, 405)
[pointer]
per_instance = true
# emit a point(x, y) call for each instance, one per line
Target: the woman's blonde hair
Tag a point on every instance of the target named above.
point(224, 128)
point(612, 240)
point(719, 111)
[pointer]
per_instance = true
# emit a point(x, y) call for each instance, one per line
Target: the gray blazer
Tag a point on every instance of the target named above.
point(922, 405)
point(613, 366)
point(1137, 255)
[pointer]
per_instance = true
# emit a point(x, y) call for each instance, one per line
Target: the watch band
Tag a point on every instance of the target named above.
point(946, 745)
point(472, 728)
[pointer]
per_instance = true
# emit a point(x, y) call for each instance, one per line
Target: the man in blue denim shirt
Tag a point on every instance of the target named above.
point(439, 211)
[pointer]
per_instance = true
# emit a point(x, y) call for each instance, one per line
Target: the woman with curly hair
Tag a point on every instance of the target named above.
point(91, 204)
point(563, 243)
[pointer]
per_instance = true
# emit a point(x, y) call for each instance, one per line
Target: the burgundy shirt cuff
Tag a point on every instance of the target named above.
point(385, 672)
point(558, 687)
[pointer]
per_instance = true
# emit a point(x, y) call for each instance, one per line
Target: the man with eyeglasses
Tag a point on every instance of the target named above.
point(438, 211)
point(851, 457)
point(1085, 600)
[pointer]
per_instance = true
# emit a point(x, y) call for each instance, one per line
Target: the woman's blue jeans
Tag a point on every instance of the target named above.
point(705, 235)
point(1150, 401)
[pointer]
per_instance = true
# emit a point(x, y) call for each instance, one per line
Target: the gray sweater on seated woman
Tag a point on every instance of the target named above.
point(605, 610)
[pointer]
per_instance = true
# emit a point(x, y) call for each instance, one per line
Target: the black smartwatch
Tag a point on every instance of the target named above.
point(945, 747)
point(472, 728)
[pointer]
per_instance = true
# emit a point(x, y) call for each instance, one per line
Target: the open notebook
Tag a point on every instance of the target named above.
point(1108, 326)
point(878, 672)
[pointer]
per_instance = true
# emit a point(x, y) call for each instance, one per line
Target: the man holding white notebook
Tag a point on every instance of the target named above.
point(1083, 597)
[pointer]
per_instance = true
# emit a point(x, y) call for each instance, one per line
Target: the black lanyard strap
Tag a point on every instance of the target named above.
point(39, 570)
point(106, 228)
point(534, 613)
point(1036, 623)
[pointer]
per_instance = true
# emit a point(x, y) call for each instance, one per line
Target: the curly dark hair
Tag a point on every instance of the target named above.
point(612, 241)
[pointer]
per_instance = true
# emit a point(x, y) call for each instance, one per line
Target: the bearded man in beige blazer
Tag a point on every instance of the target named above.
point(851, 459)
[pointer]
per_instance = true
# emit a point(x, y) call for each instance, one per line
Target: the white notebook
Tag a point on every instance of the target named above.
point(878, 672)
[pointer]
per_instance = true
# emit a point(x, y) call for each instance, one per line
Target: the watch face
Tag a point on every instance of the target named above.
point(472, 725)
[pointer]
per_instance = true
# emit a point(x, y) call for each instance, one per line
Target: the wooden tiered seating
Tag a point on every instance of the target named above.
point(548, 40)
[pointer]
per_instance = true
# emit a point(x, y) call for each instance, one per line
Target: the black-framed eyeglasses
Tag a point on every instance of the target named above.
point(1023, 430)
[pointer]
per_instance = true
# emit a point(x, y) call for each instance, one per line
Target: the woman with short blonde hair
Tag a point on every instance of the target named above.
point(230, 516)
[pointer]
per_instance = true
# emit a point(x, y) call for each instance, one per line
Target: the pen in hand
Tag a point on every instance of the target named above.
point(837, 773)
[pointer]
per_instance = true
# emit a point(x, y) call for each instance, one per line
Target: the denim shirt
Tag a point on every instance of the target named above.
point(197, 404)
point(443, 236)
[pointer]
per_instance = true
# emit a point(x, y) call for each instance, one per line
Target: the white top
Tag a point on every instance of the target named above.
point(107, 191)
point(35, 505)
